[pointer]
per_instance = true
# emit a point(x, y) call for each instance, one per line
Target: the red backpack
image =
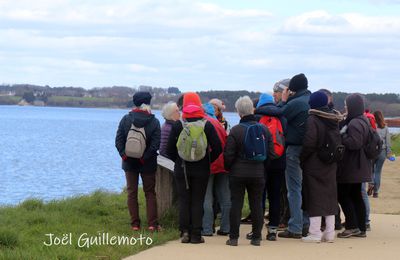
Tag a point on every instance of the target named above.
point(274, 126)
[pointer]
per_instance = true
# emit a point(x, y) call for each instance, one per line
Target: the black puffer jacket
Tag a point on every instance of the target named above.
point(234, 162)
point(273, 110)
point(153, 135)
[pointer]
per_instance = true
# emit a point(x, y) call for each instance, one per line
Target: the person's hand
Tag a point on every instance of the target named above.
point(285, 94)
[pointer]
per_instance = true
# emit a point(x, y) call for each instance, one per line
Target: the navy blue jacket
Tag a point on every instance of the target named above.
point(153, 136)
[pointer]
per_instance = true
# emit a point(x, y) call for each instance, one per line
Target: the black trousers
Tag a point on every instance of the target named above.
point(274, 180)
point(254, 187)
point(352, 203)
point(191, 201)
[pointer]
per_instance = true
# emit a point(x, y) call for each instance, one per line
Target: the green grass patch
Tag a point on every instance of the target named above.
point(25, 228)
point(396, 144)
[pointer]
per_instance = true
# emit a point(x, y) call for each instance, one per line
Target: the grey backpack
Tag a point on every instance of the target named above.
point(135, 142)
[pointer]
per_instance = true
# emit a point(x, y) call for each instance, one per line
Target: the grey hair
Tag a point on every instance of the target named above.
point(168, 109)
point(244, 106)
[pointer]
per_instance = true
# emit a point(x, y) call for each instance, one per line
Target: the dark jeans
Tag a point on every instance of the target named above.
point(274, 180)
point(284, 204)
point(254, 187)
point(149, 184)
point(191, 202)
point(352, 203)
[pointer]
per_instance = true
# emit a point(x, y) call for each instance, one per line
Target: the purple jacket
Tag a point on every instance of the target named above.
point(165, 131)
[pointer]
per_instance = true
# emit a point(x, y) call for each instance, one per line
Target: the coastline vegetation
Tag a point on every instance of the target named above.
point(23, 228)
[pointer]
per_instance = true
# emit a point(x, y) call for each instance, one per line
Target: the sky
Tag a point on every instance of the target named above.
point(349, 46)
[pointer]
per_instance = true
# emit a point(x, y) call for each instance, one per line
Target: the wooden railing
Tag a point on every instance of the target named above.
point(165, 185)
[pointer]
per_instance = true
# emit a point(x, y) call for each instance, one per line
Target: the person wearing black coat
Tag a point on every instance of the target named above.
point(245, 174)
point(192, 177)
point(355, 168)
point(146, 166)
point(274, 173)
point(319, 177)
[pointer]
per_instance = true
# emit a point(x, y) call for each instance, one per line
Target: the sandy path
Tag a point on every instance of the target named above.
point(383, 242)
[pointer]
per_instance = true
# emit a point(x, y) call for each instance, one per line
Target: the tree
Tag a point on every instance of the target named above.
point(29, 97)
point(174, 90)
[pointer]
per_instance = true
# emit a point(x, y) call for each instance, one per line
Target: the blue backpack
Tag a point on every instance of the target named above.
point(254, 142)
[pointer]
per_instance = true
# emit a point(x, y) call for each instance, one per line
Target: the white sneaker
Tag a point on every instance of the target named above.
point(311, 239)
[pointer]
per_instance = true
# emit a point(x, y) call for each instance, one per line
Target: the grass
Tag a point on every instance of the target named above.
point(23, 228)
point(396, 144)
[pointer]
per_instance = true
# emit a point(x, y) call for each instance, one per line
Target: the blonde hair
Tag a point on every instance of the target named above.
point(145, 107)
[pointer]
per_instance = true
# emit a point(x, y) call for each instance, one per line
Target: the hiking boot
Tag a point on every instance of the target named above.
point(311, 239)
point(361, 234)
point(375, 195)
point(222, 233)
point(249, 236)
point(368, 227)
point(197, 240)
point(348, 233)
point(271, 236)
point(255, 242)
point(231, 242)
point(185, 238)
point(288, 234)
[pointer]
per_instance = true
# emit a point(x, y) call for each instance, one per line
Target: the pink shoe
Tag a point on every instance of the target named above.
point(155, 228)
point(135, 228)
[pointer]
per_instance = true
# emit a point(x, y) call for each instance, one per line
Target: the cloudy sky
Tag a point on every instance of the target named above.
point(351, 46)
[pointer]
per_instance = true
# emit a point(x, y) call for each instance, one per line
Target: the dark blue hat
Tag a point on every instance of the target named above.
point(141, 97)
point(318, 99)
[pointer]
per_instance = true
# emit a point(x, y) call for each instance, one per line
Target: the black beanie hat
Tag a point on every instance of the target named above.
point(298, 82)
point(355, 106)
point(142, 97)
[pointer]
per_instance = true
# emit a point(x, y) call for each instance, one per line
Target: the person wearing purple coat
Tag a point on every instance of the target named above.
point(170, 112)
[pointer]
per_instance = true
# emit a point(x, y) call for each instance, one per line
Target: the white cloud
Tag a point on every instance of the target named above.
point(321, 22)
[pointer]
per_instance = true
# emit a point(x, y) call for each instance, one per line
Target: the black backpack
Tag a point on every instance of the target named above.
point(331, 150)
point(373, 147)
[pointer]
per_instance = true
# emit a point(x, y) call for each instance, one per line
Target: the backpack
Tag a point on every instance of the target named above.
point(254, 142)
point(332, 149)
point(373, 147)
point(274, 126)
point(192, 141)
point(135, 142)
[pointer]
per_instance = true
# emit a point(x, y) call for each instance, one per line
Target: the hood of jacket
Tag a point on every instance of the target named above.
point(299, 93)
point(328, 116)
point(141, 118)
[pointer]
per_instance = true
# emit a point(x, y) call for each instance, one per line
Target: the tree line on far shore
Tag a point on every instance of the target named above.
point(121, 97)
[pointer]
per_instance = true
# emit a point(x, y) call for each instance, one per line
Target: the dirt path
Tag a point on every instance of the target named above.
point(382, 242)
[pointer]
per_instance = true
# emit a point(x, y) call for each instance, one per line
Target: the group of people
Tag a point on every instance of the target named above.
point(292, 142)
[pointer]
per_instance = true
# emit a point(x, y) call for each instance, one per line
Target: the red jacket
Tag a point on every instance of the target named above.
point(371, 119)
point(218, 165)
